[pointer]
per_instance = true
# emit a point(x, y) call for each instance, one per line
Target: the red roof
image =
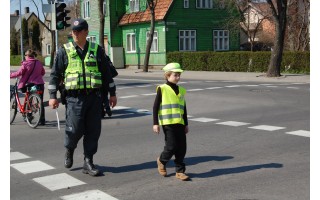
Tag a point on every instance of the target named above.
point(161, 9)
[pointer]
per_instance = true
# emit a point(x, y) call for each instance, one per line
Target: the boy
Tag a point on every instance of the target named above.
point(169, 111)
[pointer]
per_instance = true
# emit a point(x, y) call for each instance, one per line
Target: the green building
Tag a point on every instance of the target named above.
point(181, 25)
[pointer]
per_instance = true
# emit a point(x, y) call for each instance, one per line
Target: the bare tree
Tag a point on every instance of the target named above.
point(252, 22)
point(297, 36)
point(279, 15)
point(151, 6)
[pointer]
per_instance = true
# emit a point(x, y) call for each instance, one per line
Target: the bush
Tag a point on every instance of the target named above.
point(15, 60)
point(239, 61)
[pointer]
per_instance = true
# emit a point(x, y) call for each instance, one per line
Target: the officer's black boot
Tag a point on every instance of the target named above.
point(89, 168)
point(68, 158)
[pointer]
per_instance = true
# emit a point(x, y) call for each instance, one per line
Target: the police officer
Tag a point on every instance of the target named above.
point(83, 68)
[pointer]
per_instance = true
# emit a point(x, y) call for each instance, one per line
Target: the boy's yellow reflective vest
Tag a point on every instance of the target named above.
point(172, 106)
point(77, 70)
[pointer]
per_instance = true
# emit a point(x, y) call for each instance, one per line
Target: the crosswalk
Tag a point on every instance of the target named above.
point(25, 164)
point(55, 181)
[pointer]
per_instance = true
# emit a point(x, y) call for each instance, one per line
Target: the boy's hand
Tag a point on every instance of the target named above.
point(156, 129)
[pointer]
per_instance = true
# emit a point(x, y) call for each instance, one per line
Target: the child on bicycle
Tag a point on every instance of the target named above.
point(169, 111)
point(31, 71)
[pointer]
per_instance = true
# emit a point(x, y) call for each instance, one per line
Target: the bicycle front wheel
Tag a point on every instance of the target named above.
point(13, 107)
point(34, 110)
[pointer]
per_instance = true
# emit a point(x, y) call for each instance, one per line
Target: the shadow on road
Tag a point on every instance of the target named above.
point(153, 165)
point(235, 170)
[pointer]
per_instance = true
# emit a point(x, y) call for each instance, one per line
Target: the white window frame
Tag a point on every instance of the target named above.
point(187, 40)
point(92, 39)
point(134, 6)
point(131, 43)
point(104, 9)
point(86, 9)
point(204, 4)
point(221, 40)
point(154, 44)
point(185, 3)
point(48, 49)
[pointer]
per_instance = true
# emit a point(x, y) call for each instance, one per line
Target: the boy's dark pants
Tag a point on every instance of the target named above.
point(175, 144)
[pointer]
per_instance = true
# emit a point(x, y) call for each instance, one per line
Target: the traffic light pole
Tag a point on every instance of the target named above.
point(56, 31)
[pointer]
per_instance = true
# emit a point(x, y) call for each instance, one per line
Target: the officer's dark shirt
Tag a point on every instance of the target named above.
point(157, 102)
point(61, 62)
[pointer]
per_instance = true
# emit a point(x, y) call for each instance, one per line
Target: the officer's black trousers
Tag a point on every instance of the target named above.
point(83, 118)
point(175, 144)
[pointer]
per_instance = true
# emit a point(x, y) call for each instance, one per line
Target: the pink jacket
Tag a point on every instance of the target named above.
point(25, 70)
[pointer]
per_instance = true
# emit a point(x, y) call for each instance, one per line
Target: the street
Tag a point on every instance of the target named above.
point(248, 140)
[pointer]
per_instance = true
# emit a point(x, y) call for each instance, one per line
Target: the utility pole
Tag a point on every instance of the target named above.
point(21, 44)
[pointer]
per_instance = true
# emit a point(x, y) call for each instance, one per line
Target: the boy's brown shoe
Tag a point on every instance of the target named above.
point(182, 176)
point(161, 168)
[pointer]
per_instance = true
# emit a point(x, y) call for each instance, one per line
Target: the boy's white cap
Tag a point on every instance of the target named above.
point(172, 67)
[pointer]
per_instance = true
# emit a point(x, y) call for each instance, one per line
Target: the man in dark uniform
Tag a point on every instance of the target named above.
point(83, 68)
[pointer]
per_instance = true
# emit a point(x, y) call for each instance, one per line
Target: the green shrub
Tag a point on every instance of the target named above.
point(15, 60)
point(239, 61)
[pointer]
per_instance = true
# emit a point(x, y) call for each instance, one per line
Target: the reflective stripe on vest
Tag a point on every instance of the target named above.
point(172, 106)
point(82, 74)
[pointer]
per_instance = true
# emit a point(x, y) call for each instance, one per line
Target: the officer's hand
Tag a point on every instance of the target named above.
point(113, 101)
point(53, 103)
point(186, 129)
point(156, 129)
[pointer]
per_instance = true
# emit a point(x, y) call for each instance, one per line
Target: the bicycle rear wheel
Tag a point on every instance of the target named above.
point(34, 110)
point(13, 107)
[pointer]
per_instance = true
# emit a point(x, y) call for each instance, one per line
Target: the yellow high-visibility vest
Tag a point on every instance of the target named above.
point(77, 70)
point(172, 106)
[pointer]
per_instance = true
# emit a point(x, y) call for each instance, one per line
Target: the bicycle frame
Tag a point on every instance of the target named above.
point(22, 107)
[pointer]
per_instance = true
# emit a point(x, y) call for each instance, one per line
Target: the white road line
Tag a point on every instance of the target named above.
point(293, 87)
point(267, 127)
point(32, 166)
point(142, 86)
point(231, 86)
point(121, 108)
point(233, 123)
point(265, 84)
point(251, 85)
point(120, 88)
point(58, 181)
point(203, 119)
point(89, 195)
point(300, 133)
point(272, 86)
point(125, 97)
point(192, 90)
point(150, 94)
point(17, 156)
point(212, 88)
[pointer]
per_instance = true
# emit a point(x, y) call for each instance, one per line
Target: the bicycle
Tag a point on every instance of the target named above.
point(31, 107)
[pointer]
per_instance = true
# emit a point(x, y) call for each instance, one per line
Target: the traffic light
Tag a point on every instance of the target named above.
point(61, 16)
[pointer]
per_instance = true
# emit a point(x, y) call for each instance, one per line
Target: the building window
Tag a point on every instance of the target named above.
point(186, 4)
point(204, 4)
point(86, 9)
point(131, 42)
point(154, 45)
point(187, 40)
point(91, 39)
point(220, 40)
point(48, 49)
point(105, 10)
point(134, 5)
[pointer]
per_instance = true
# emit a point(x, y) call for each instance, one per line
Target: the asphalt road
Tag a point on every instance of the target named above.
point(248, 140)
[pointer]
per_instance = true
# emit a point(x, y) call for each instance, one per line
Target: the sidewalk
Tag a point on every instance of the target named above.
point(226, 76)
point(208, 75)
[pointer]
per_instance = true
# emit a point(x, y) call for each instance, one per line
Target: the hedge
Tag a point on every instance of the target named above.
point(240, 61)
point(15, 60)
